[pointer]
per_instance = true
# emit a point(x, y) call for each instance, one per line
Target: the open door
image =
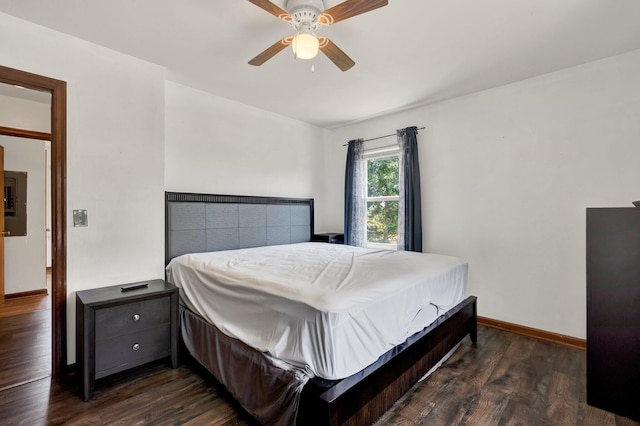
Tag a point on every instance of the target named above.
point(2, 234)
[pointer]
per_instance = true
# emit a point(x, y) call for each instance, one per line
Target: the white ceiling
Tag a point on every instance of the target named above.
point(408, 53)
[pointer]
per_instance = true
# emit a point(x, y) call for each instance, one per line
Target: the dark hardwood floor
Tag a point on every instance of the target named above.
point(507, 379)
point(25, 340)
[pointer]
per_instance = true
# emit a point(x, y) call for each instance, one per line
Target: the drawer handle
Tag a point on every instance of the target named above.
point(135, 346)
point(136, 317)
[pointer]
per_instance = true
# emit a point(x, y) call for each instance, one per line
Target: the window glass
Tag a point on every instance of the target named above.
point(382, 201)
point(382, 177)
point(382, 222)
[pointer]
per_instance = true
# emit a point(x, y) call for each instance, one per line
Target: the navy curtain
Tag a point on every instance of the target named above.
point(352, 197)
point(410, 186)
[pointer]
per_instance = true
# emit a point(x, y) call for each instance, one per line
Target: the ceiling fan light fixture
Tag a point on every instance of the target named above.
point(305, 46)
point(306, 16)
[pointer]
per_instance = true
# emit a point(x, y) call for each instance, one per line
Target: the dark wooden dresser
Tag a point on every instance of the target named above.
point(613, 310)
point(117, 330)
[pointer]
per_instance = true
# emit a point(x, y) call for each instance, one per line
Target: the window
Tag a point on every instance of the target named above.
point(382, 198)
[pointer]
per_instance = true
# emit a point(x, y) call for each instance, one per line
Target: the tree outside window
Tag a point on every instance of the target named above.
point(383, 190)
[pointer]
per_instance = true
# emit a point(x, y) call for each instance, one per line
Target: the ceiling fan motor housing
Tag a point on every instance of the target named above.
point(305, 12)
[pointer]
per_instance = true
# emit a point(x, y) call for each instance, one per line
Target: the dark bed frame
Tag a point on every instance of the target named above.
point(356, 400)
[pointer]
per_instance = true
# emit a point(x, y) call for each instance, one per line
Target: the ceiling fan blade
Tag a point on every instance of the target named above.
point(349, 9)
point(273, 9)
point(336, 55)
point(270, 52)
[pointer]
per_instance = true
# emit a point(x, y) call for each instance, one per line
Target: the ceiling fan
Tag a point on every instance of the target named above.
point(305, 16)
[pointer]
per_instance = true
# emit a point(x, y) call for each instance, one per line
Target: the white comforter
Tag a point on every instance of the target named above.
point(330, 309)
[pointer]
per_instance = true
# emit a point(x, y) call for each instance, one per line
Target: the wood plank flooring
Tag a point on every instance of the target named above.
point(25, 340)
point(25, 305)
point(507, 379)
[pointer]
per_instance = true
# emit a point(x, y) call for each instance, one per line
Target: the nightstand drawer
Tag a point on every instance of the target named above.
point(132, 317)
point(125, 351)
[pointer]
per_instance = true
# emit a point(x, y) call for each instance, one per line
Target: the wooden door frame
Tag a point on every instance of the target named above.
point(58, 90)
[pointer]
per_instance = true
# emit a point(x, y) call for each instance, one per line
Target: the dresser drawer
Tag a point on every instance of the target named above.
point(132, 317)
point(129, 350)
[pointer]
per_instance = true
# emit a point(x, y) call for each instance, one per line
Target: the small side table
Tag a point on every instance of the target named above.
point(329, 237)
point(123, 326)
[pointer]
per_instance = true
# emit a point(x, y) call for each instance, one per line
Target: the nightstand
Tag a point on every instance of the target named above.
point(329, 237)
point(119, 329)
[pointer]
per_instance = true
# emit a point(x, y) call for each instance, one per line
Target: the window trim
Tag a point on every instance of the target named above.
point(378, 154)
point(381, 152)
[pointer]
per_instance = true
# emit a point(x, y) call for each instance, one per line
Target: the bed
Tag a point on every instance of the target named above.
point(307, 332)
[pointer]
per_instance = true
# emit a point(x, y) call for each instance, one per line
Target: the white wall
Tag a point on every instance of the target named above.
point(115, 155)
point(215, 145)
point(506, 177)
point(24, 256)
point(24, 114)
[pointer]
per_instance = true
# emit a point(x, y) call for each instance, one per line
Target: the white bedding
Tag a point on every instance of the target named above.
point(330, 309)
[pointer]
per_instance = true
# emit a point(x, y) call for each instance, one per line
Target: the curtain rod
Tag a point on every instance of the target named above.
point(382, 137)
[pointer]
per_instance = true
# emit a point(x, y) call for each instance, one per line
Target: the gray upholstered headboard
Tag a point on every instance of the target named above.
point(198, 223)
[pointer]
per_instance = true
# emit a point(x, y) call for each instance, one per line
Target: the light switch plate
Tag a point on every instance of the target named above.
point(80, 218)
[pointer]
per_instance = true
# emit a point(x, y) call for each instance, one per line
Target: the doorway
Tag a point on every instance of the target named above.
point(58, 90)
point(26, 203)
